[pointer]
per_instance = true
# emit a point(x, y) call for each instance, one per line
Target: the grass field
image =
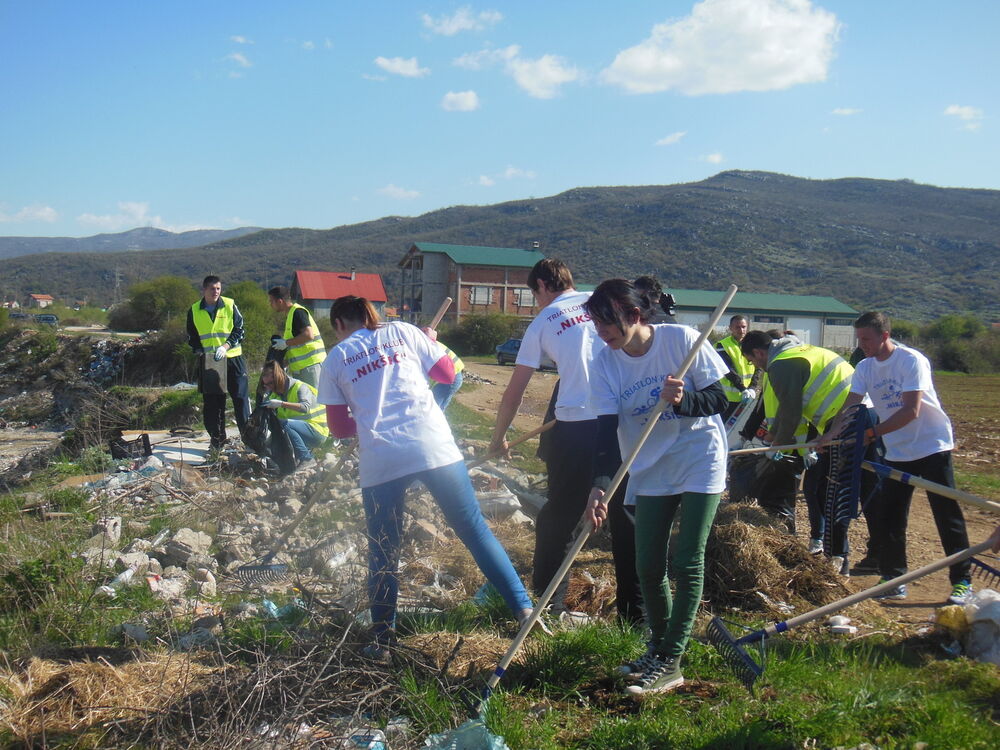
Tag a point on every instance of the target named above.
point(891, 687)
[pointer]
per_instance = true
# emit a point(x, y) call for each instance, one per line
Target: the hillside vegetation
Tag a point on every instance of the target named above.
point(917, 251)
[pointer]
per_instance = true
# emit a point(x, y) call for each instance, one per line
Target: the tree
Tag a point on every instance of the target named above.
point(479, 334)
point(954, 327)
point(152, 304)
point(259, 320)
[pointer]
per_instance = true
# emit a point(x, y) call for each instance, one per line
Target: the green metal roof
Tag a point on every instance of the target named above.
point(762, 303)
point(475, 255)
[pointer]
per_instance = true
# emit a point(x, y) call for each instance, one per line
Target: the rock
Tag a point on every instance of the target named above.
point(96, 557)
point(201, 561)
point(290, 508)
point(154, 567)
point(425, 531)
point(130, 632)
point(520, 518)
point(499, 504)
point(205, 583)
point(137, 561)
point(197, 638)
point(184, 544)
point(138, 545)
point(110, 527)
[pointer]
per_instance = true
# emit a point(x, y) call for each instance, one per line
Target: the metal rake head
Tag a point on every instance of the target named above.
point(734, 654)
point(985, 573)
point(254, 575)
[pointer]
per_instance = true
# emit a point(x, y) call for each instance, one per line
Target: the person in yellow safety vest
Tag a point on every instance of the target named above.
point(215, 329)
point(295, 404)
point(738, 384)
point(443, 392)
point(301, 341)
point(808, 386)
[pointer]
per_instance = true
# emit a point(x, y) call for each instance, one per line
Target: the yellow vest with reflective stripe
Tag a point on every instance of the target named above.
point(826, 389)
point(316, 417)
point(310, 353)
point(213, 333)
point(771, 411)
point(742, 366)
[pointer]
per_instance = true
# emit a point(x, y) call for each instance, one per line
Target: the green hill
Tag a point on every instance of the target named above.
point(918, 251)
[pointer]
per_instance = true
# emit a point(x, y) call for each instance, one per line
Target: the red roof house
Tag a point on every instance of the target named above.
point(318, 289)
point(41, 300)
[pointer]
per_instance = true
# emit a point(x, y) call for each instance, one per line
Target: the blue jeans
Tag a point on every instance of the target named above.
point(444, 391)
point(452, 490)
point(303, 436)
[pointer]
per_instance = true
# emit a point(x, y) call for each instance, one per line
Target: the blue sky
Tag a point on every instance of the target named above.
point(315, 113)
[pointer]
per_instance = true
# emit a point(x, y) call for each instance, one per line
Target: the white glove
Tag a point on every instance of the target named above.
point(748, 395)
point(273, 403)
point(810, 460)
point(220, 353)
point(775, 455)
point(279, 345)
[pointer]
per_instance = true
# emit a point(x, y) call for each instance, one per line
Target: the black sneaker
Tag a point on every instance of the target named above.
point(633, 670)
point(866, 566)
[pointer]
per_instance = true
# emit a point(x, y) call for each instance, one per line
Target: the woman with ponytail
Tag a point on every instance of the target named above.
point(380, 374)
point(680, 471)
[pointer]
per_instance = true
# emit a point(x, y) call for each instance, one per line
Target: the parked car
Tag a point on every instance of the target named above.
point(17, 316)
point(47, 319)
point(507, 352)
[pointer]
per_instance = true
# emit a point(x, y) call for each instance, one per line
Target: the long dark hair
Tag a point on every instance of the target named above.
point(280, 384)
point(621, 302)
point(351, 309)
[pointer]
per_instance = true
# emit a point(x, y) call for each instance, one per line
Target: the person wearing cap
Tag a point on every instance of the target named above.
point(215, 330)
point(301, 341)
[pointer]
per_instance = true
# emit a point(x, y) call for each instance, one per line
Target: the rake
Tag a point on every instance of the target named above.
point(270, 572)
point(843, 501)
point(734, 652)
point(989, 575)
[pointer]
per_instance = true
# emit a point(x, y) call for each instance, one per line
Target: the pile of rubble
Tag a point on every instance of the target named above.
point(225, 523)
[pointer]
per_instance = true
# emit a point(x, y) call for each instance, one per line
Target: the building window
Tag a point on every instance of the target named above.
point(840, 321)
point(768, 319)
point(480, 295)
point(524, 298)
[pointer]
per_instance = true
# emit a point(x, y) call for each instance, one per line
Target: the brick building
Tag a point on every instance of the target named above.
point(478, 279)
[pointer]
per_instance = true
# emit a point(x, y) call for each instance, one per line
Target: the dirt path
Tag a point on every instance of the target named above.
point(923, 546)
point(16, 442)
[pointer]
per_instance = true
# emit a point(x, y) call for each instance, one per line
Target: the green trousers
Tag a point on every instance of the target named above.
point(671, 618)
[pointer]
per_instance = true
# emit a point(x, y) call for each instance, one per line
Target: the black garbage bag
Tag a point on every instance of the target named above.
point(265, 435)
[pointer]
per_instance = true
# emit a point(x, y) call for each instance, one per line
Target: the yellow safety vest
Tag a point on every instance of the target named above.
point(826, 389)
point(316, 417)
point(305, 355)
point(742, 366)
point(213, 333)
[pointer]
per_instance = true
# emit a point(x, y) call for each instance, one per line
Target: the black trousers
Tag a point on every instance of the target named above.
point(890, 510)
point(628, 595)
point(569, 459)
point(814, 487)
point(214, 404)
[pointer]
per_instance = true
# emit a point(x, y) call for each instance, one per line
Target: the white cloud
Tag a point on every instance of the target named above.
point(460, 101)
point(846, 111)
point(406, 67)
point(240, 39)
point(486, 181)
point(511, 173)
point(725, 46)
point(486, 58)
point(671, 139)
point(373, 77)
point(307, 45)
point(399, 193)
point(34, 212)
point(542, 78)
point(715, 158)
point(462, 19)
point(971, 117)
point(132, 214)
point(240, 59)
point(328, 43)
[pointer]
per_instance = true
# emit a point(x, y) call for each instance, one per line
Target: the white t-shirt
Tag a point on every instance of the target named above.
point(905, 370)
point(564, 332)
point(381, 376)
point(682, 454)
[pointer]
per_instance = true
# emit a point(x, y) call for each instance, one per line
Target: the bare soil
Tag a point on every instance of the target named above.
point(970, 402)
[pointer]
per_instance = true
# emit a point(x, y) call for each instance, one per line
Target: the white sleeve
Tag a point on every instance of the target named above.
point(603, 396)
point(916, 375)
point(530, 353)
point(329, 389)
point(428, 352)
point(859, 385)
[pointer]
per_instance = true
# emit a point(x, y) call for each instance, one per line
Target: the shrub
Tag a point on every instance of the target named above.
point(259, 320)
point(480, 334)
point(152, 304)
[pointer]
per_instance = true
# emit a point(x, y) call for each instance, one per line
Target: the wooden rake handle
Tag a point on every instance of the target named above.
point(445, 304)
point(926, 484)
point(526, 436)
point(584, 534)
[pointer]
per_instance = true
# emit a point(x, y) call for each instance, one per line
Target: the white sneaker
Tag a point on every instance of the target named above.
point(815, 546)
point(840, 566)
